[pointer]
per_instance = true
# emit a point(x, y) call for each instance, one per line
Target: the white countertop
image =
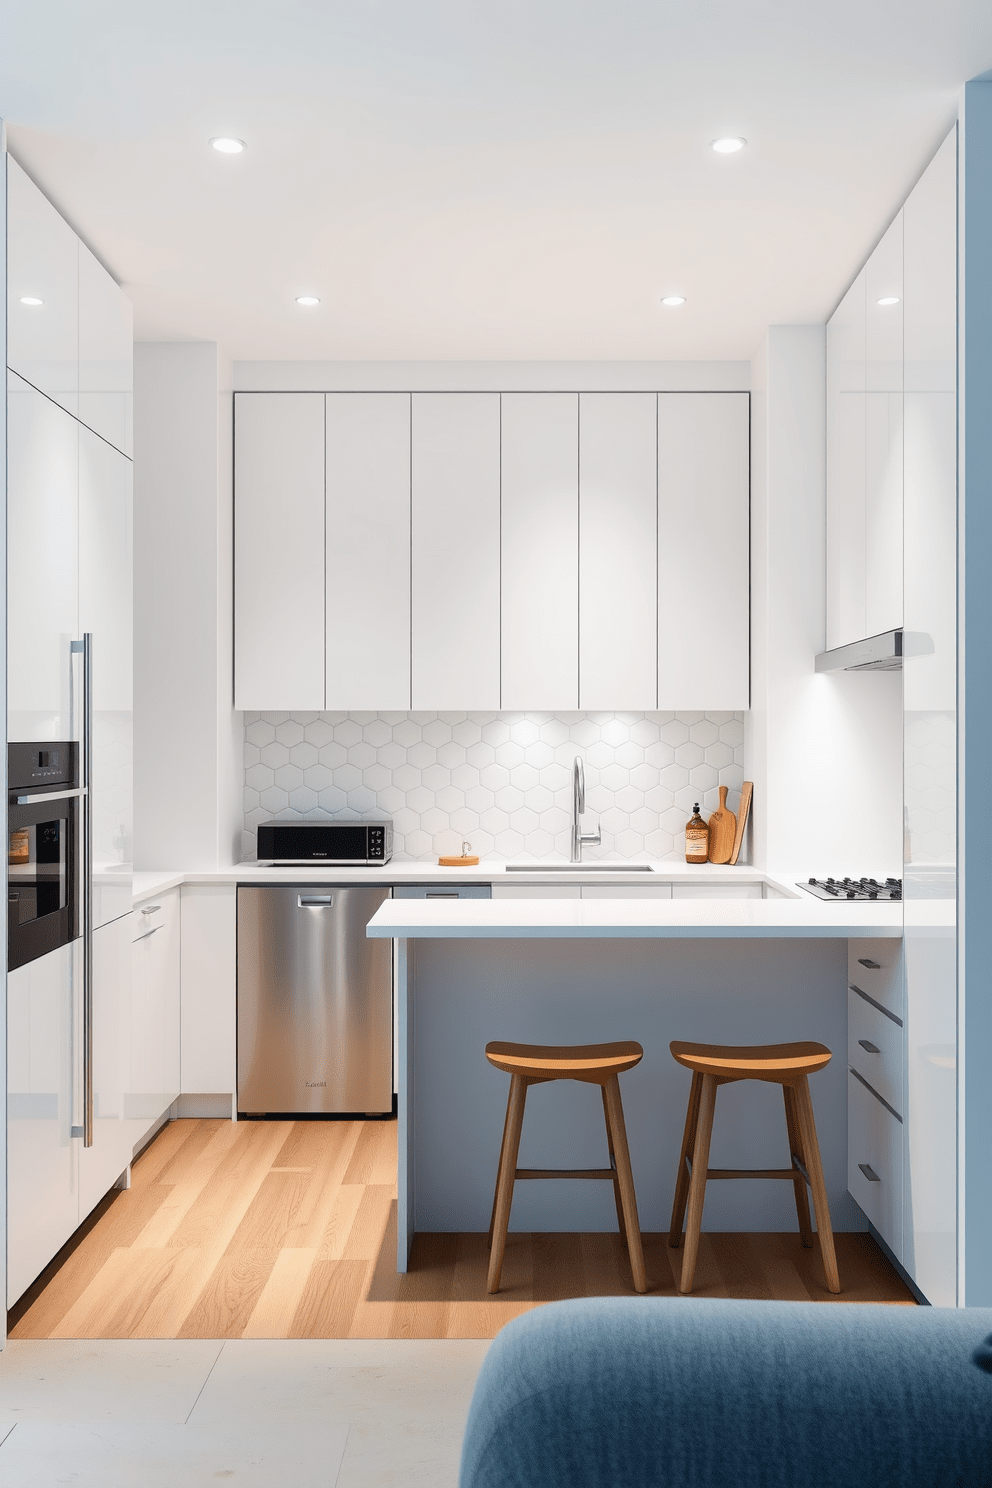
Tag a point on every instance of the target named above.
point(645, 919)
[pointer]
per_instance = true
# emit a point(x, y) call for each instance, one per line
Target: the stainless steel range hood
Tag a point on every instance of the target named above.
point(880, 653)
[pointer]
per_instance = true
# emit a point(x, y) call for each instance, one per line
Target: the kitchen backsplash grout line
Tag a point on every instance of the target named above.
point(500, 780)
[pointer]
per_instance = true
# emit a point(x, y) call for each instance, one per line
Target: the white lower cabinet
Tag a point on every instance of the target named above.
point(716, 891)
point(155, 951)
point(209, 989)
point(627, 891)
point(875, 1161)
point(101, 1165)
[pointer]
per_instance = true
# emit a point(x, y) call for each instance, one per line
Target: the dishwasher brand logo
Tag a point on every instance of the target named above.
point(315, 1085)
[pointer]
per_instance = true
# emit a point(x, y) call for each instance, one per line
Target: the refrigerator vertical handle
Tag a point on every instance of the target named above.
point(86, 647)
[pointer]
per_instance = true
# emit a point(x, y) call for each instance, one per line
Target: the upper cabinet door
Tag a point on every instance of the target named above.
point(106, 601)
point(703, 539)
point(455, 552)
point(846, 392)
point(368, 552)
point(618, 546)
point(42, 265)
point(106, 353)
point(540, 551)
point(42, 565)
point(279, 551)
point(883, 433)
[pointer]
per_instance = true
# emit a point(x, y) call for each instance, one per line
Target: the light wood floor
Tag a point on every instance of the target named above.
point(282, 1229)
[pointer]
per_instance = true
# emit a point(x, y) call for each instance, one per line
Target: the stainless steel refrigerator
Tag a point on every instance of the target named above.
point(314, 1002)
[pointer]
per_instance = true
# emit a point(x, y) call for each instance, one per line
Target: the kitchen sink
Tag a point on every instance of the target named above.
point(579, 868)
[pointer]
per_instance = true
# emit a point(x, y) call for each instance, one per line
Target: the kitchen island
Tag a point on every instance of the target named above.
point(586, 971)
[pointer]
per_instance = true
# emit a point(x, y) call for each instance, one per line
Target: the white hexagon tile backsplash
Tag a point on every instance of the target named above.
point(501, 780)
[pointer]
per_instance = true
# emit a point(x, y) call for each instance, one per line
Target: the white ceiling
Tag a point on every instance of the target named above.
point(482, 178)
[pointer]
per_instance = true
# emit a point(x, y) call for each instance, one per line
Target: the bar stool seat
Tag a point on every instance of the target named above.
point(788, 1065)
point(592, 1064)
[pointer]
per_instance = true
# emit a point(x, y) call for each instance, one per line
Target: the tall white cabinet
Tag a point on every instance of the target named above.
point(69, 548)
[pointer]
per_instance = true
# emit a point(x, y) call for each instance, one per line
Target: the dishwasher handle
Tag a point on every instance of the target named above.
point(315, 901)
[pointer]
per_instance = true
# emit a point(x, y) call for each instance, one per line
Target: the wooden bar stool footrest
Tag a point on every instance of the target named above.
point(565, 1173)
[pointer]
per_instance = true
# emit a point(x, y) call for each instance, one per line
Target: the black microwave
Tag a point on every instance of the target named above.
point(337, 843)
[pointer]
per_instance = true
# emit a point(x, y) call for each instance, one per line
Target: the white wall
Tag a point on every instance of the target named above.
point(497, 377)
point(825, 751)
point(187, 741)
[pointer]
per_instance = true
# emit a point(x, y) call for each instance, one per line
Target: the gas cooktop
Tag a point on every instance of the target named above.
point(863, 889)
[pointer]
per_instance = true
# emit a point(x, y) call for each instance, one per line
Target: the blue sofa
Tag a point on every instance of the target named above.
point(689, 1393)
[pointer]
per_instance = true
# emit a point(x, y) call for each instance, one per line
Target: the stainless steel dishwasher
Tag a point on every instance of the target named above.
point(314, 1002)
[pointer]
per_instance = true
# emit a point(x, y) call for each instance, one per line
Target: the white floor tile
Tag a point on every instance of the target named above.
point(36, 1455)
point(108, 1381)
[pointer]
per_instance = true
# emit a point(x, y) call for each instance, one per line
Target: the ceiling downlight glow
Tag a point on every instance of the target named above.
point(307, 300)
point(228, 145)
point(887, 300)
point(31, 300)
point(729, 145)
point(672, 301)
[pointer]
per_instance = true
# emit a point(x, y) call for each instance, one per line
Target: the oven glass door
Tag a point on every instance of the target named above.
point(41, 876)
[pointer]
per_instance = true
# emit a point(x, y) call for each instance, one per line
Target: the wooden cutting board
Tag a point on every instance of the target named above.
point(743, 811)
point(723, 831)
point(462, 862)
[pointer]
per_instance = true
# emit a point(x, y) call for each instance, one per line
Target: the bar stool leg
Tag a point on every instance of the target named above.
point(697, 1184)
point(499, 1165)
point(682, 1183)
point(807, 1127)
point(796, 1146)
point(621, 1222)
point(625, 1177)
point(504, 1186)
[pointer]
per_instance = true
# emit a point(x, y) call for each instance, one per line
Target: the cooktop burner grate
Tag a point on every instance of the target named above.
point(858, 889)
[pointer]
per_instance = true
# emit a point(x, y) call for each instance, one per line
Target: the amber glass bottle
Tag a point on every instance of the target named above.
point(697, 838)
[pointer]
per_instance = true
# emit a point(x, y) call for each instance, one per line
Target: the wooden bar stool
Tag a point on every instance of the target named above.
point(781, 1064)
point(594, 1064)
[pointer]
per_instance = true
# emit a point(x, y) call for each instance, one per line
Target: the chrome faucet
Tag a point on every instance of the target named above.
point(578, 807)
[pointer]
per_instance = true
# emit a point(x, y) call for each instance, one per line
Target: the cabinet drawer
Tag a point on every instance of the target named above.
point(875, 1161)
point(148, 918)
point(626, 891)
point(537, 891)
point(876, 1049)
point(876, 968)
point(716, 891)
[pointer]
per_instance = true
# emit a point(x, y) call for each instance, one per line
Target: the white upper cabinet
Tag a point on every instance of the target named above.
point(540, 551)
point(618, 547)
point(846, 400)
point(368, 552)
point(42, 568)
point(883, 433)
point(455, 556)
point(105, 353)
point(279, 551)
point(703, 541)
point(42, 265)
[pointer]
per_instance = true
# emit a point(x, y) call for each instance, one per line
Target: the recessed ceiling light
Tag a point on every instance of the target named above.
point(673, 300)
point(307, 300)
point(228, 146)
point(729, 145)
point(31, 300)
point(889, 300)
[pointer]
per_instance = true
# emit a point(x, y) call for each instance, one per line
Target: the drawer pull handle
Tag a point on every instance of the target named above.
point(315, 901)
point(871, 965)
point(152, 909)
point(450, 894)
point(869, 1173)
point(869, 1046)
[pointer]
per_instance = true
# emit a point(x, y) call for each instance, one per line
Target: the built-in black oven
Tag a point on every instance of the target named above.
point(43, 849)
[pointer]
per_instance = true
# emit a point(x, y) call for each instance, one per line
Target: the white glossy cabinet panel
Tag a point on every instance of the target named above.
point(618, 546)
point(209, 983)
point(455, 562)
point(846, 402)
point(876, 1048)
point(716, 891)
point(876, 968)
point(106, 353)
point(540, 551)
point(368, 552)
point(155, 1052)
point(875, 1162)
point(106, 605)
point(883, 433)
point(703, 540)
point(42, 264)
point(42, 1102)
point(627, 891)
point(42, 569)
point(279, 551)
point(102, 1164)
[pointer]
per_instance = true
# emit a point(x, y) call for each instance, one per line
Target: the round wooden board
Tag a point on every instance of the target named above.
point(457, 862)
